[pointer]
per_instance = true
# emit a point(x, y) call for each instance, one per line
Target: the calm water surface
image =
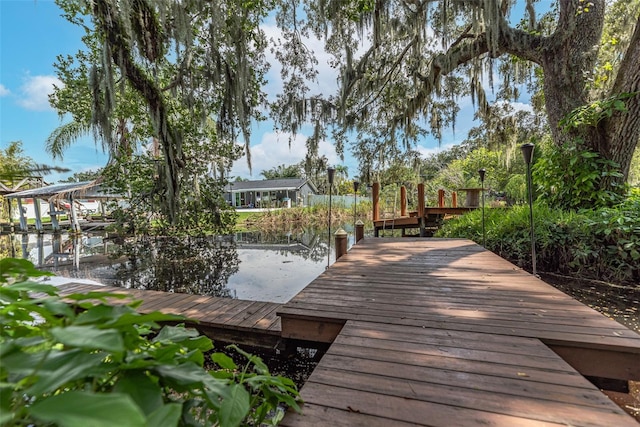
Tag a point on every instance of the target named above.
point(255, 266)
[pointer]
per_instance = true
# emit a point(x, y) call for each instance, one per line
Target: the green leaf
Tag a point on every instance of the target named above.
point(89, 337)
point(185, 374)
point(619, 105)
point(134, 318)
point(224, 361)
point(144, 391)
point(58, 307)
point(235, 407)
point(166, 416)
point(82, 409)
point(201, 343)
point(34, 287)
point(175, 334)
point(20, 268)
point(95, 295)
point(260, 366)
point(61, 368)
point(95, 314)
point(6, 392)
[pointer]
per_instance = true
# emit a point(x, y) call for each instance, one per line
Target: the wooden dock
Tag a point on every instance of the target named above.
point(443, 332)
point(225, 319)
point(432, 218)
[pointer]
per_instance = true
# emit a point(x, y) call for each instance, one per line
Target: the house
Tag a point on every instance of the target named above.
point(269, 193)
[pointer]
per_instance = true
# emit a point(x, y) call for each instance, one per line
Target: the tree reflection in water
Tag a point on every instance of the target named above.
point(205, 265)
point(193, 265)
point(276, 264)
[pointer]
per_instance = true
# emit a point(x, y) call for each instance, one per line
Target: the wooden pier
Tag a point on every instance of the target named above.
point(437, 332)
point(444, 332)
point(427, 219)
point(225, 319)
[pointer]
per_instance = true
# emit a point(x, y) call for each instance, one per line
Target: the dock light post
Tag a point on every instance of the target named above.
point(482, 173)
point(527, 152)
point(356, 186)
point(330, 174)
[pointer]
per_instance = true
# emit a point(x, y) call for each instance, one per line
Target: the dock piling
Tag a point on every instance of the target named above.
point(359, 230)
point(340, 243)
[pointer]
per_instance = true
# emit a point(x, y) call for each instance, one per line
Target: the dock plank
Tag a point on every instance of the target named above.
point(425, 386)
point(216, 315)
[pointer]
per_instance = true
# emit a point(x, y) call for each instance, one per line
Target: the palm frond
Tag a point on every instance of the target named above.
point(65, 135)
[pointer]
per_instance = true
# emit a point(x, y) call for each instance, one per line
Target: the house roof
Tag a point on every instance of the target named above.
point(270, 185)
point(84, 190)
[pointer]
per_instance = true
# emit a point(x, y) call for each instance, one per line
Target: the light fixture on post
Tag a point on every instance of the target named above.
point(482, 172)
point(356, 186)
point(330, 174)
point(527, 153)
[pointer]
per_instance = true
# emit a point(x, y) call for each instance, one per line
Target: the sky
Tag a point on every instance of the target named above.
point(33, 33)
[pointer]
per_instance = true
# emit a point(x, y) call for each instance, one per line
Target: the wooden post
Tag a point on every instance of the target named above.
point(36, 208)
point(23, 218)
point(441, 198)
point(403, 201)
point(421, 208)
point(53, 213)
point(40, 240)
point(75, 225)
point(359, 230)
point(454, 199)
point(11, 226)
point(376, 200)
point(340, 243)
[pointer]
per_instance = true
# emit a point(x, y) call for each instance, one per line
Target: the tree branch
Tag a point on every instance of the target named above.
point(113, 28)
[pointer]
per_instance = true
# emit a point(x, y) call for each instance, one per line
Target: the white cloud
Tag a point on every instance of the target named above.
point(273, 150)
point(4, 91)
point(428, 151)
point(35, 92)
point(521, 106)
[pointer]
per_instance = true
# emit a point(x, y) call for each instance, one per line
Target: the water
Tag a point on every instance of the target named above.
point(252, 265)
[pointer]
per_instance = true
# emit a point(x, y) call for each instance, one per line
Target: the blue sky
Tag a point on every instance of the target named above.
point(32, 34)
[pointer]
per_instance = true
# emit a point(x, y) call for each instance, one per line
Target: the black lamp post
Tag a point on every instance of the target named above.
point(482, 173)
point(527, 152)
point(330, 174)
point(356, 186)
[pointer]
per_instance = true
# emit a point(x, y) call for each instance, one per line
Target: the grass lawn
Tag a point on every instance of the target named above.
point(242, 217)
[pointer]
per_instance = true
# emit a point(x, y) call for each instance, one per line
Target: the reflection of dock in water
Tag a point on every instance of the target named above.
point(57, 250)
point(304, 242)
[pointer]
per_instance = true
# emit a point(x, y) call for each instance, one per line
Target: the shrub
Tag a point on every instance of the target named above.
point(599, 244)
point(82, 361)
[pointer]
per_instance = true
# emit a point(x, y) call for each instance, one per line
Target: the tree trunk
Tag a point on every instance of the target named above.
point(566, 59)
point(623, 128)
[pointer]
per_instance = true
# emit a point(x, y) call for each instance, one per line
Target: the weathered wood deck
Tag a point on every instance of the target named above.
point(225, 319)
point(443, 332)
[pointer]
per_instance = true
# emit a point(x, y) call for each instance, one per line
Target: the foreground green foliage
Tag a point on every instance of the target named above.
point(570, 178)
point(599, 244)
point(82, 361)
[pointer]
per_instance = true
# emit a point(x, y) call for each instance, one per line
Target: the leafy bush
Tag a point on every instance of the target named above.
point(599, 244)
point(569, 177)
point(82, 361)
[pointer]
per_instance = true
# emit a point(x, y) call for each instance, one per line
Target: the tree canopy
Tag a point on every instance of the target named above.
point(403, 67)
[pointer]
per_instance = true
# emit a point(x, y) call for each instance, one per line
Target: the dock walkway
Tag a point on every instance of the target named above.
point(225, 319)
point(444, 332)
